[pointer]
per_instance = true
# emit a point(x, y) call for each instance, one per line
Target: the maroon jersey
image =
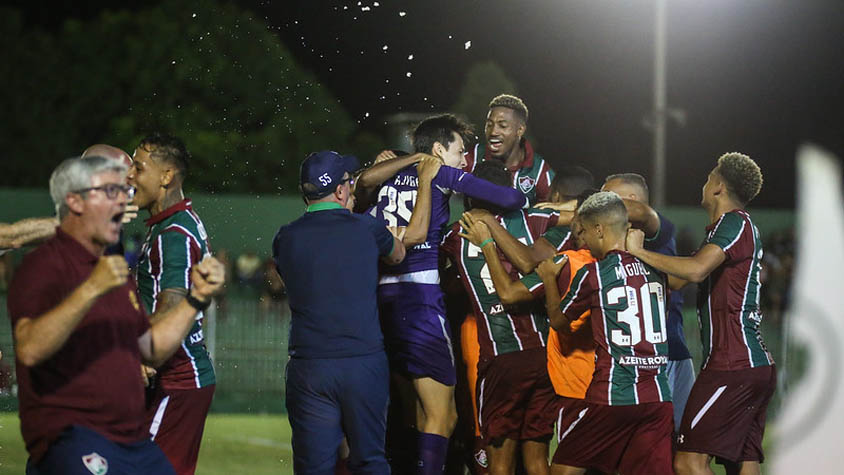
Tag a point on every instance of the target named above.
point(501, 330)
point(94, 379)
point(728, 300)
point(532, 176)
point(627, 301)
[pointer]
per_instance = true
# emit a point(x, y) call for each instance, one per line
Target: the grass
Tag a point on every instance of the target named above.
point(232, 443)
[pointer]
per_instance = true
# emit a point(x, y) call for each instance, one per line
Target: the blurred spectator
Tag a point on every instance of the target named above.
point(132, 249)
point(222, 255)
point(248, 270)
point(274, 293)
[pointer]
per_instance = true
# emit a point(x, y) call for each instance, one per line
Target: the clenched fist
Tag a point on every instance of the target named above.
point(207, 278)
point(109, 273)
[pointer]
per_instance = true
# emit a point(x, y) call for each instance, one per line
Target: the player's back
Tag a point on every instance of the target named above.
point(629, 330)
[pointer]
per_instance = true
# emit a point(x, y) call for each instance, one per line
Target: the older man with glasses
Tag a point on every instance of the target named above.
point(80, 333)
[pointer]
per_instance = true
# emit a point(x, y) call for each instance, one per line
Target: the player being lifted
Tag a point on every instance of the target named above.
point(626, 423)
point(515, 398)
point(725, 413)
point(417, 337)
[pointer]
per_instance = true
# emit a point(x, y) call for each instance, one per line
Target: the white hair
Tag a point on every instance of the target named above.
point(75, 174)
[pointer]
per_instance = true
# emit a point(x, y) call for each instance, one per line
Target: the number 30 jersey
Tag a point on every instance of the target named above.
point(397, 197)
point(627, 298)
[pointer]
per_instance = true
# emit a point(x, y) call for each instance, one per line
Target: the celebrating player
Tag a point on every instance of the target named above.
point(176, 241)
point(506, 124)
point(410, 300)
point(627, 422)
point(726, 410)
point(81, 334)
point(515, 397)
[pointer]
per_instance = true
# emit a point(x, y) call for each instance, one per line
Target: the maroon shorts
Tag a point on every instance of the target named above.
point(725, 413)
point(176, 419)
point(629, 439)
point(515, 397)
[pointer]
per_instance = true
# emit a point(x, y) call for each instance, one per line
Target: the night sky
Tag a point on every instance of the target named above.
point(757, 76)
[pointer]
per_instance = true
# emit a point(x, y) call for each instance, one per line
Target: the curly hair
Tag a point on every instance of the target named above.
point(168, 148)
point(511, 102)
point(741, 174)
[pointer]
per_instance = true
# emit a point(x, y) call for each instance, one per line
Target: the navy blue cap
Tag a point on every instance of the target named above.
point(324, 170)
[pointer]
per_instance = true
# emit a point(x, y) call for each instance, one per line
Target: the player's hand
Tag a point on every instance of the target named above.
point(570, 205)
point(474, 230)
point(397, 231)
point(479, 214)
point(635, 240)
point(207, 279)
point(147, 373)
point(550, 268)
point(428, 168)
point(130, 213)
point(384, 156)
point(109, 273)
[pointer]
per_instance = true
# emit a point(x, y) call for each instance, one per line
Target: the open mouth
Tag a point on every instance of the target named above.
point(495, 143)
point(118, 218)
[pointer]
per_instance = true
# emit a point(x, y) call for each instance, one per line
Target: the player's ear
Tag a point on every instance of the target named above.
point(75, 202)
point(521, 129)
point(438, 150)
point(167, 177)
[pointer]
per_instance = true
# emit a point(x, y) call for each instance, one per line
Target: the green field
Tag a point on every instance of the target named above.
point(233, 443)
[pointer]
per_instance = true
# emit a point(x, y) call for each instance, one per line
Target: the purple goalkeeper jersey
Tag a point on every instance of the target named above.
point(397, 197)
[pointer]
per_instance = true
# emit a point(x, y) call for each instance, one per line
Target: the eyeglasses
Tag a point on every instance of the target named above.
point(351, 181)
point(111, 190)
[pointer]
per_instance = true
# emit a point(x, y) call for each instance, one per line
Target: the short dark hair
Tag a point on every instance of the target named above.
point(741, 174)
point(571, 181)
point(168, 148)
point(511, 102)
point(606, 207)
point(583, 196)
point(494, 172)
point(439, 128)
point(631, 179)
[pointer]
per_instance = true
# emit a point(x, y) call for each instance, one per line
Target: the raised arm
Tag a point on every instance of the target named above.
point(171, 326)
point(27, 231)
point(417, 228)
point(508, 290)
point(643, 217)
point(382, 171)
point(37, 338)
point(548, 270)
point(692, 269)
point(502, 196)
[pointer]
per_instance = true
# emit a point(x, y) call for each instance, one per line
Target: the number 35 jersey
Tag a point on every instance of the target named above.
point(627, 299)
point(397, 197)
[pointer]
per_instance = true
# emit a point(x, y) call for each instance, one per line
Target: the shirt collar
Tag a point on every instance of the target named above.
point(712, 226)
point(183, 205)
point(77, 250)
point(324, 206)
point(527, 162)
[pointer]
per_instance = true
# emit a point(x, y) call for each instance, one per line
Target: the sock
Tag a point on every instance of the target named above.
point(432, 452)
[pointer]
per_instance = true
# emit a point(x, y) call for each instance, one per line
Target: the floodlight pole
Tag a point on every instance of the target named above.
point(659, 107)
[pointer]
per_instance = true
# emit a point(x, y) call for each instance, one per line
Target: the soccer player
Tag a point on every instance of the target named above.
point(506, 124)
point(725, 413)
point(417, 336)
point(176, 241)
point(337, 378)
point(515, 397)
point(627, 422)
point(81, 334)
point(659, 237)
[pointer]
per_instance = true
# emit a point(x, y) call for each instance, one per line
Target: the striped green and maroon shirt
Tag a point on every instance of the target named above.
point(728, 300)
point(627, 302)
point(502, 329)
point(176, 240)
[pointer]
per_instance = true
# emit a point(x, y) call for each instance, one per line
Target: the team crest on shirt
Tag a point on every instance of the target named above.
point(133, 299)
point(480, 457)
point(526, 183)
point(95, 463)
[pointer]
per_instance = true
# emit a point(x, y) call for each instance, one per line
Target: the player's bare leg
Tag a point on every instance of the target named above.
point(535, 457)
point(438, 413)
point(502, 458)
point(692, 463)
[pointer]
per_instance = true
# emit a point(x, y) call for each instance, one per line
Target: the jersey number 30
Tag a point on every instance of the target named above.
point(639, 306)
